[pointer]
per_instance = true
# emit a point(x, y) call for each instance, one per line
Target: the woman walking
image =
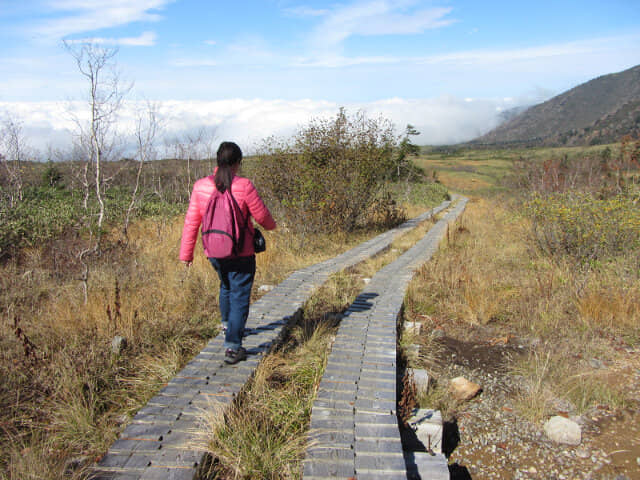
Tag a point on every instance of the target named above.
point(238, 271)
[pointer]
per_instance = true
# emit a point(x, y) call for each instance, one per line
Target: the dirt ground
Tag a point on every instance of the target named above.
point(486, 438)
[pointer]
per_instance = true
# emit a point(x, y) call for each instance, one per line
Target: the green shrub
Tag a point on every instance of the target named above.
point(52, 176)
point(118, 198)
point(47, 211)
point(329, 175)
point(424, 194)
point(585, 227)
point(44, 213)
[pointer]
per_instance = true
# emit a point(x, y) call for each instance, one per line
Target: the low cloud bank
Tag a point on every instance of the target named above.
point(442, 120)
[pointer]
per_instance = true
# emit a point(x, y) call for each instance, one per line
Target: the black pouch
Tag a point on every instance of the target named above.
point(259, 244)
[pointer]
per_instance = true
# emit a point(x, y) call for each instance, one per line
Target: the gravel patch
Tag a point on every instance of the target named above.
point(486, 438)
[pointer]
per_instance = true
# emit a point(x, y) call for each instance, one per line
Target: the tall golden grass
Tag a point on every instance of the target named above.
point(491, 273)
point(263, 435)
point(67, 395)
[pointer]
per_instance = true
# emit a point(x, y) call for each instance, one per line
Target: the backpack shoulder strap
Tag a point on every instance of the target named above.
point(245, 221)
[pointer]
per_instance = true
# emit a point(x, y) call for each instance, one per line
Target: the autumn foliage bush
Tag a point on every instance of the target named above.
point(584, 226)
point(587, 207)
point(330, 174)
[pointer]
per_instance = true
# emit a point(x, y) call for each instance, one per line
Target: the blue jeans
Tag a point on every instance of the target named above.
point(236, 279)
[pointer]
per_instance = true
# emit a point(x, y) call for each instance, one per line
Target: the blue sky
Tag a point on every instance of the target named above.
point(271, 55)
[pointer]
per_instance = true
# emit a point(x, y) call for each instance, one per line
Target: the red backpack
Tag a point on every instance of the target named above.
point(223, 226)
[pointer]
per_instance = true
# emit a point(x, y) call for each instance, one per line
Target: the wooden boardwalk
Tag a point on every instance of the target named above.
point(160, 442)
point(354, 428)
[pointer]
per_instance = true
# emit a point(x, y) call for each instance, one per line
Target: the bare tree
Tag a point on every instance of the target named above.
point(147, 127)
point(13, 144)
point(105, 97)
point(209, 144)
point(185, 148)
point(195, 145)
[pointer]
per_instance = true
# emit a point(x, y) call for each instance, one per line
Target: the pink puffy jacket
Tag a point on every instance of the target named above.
point(248, 199)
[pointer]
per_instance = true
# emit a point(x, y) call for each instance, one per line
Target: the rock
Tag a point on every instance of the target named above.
point(76, 463)
point(462, 389)
point(118, 344)
point(579, 419)
point(582, 453)
point(595, 363)
point(426, 465)
point(427, 425)
point(563, 430)
point(421, 379)
point(265, 288)
point(412, 327)
point(438, 333)
point(366, 280)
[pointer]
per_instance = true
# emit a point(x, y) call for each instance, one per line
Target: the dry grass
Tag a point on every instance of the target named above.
point(490, 273)
point(64, 393)
point(420, 348)
point(264, 434)
point(610, 301)
point(466, 281)
point(553, 381)
point(70, 390)
point(463, 183)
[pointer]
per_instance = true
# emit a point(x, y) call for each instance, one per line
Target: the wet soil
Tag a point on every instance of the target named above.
point(486, 438)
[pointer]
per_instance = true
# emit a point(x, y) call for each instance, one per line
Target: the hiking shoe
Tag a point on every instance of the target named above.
point(234, 356)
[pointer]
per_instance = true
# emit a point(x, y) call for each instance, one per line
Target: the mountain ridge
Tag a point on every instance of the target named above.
point(600, 110)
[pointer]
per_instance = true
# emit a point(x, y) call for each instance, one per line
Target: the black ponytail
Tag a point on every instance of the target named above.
point(229, 154)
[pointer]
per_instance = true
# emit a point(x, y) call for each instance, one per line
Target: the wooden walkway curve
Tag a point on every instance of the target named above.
point(159, 441)
point(354, 428)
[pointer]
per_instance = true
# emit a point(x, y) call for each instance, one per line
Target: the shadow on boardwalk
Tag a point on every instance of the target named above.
point(158, 443)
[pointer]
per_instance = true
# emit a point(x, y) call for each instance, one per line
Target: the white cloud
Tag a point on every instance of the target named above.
point(340, 61)
point(146, 39)
point(304, 11)
point(193, 62)
point(376, 17)
point(78, 16)
point(210, 42)
point(486, 58)
point(251, 49)
point(440, 120)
